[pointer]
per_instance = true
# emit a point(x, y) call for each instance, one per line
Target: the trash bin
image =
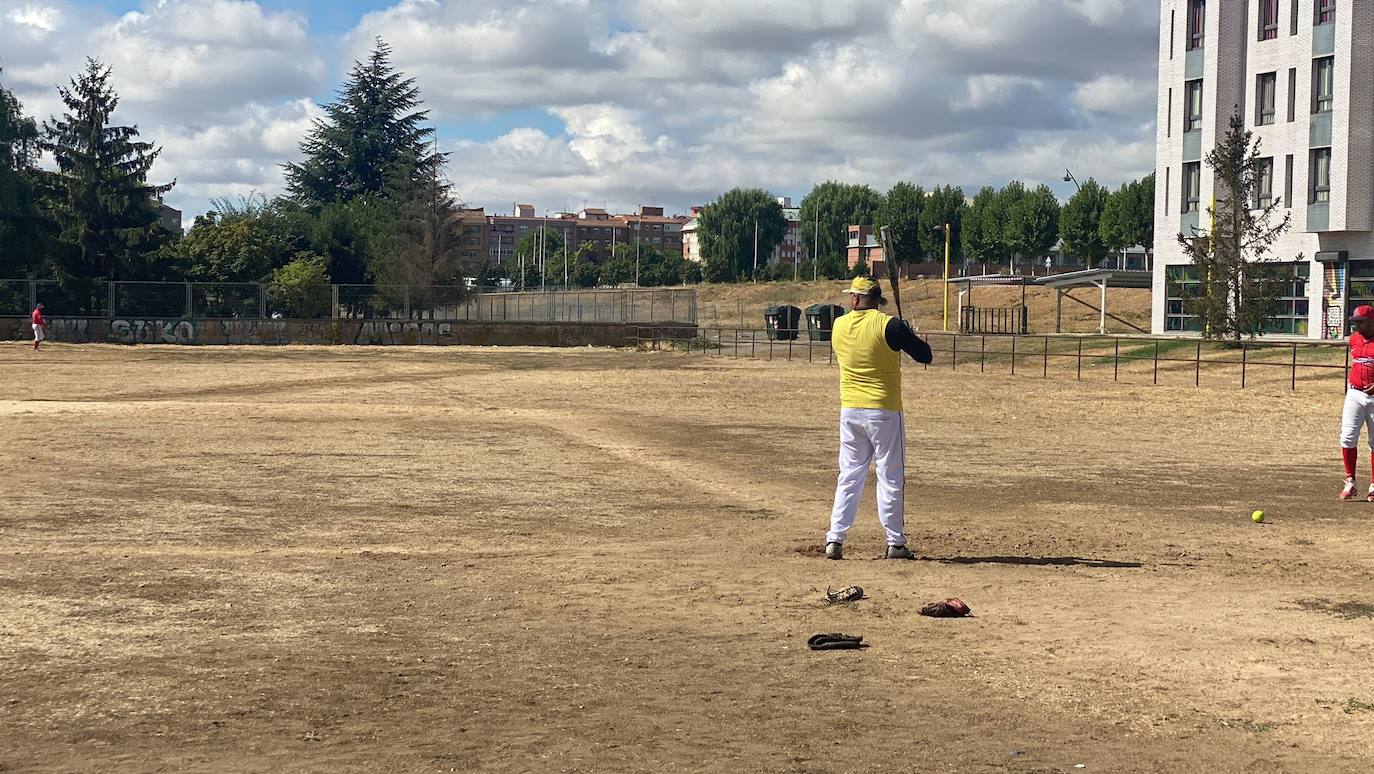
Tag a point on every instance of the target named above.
point(820, 320)
point(782, 322)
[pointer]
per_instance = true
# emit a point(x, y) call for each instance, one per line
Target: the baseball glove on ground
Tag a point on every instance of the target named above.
point(846, 594)
point(950, 608)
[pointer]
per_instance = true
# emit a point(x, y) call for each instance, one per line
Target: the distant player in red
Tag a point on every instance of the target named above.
point(1359, 399)
point(39, 324)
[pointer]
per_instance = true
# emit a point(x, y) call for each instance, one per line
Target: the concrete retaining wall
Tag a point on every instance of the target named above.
point(376, 332)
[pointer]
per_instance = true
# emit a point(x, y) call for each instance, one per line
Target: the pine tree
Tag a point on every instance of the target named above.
point(429, 249)
point(23, 229)
point(105, 210)
point(372, 142)
point(1239, 291)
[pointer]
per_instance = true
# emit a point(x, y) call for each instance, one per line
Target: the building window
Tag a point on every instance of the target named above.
point(1326, 11)
point(1321, 175)
point(1169, 109)
point(1171, 32)
point(1264, 184)
point(1197, 14)
point(1323, 72)
point(1293, 23)
point(1181, 287)
point(1192, 106)
point(1288, 180)
point(1290, 314)
point(1292, 93)
point(1265, 86)
point(1269, 19)
point(1192, 185)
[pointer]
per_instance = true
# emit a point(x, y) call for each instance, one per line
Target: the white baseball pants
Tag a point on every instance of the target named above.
point(38, 334)
point(869, 435)
point(1359, 410)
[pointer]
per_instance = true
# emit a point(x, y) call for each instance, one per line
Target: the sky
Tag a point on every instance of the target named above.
point(566, 104)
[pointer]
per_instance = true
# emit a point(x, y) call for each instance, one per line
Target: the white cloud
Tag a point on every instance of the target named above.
point(653, 101)
point(40, 18)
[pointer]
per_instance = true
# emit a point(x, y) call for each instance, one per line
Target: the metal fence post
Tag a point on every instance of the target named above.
point(1294, 385)
point(1116, 360)
point(1045, 372)
point(188, 301)
point(1013, 356)
point(262, 300)
point(1156, 373)
point(334, 296)
point(1079, 377)
point(1244, 356)
point(112, 293)
point(954, 354)
point(982, 352)
point(405, 301)
point(1197, 375)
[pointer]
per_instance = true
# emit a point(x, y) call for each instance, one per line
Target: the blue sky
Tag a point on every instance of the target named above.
point(618, 103)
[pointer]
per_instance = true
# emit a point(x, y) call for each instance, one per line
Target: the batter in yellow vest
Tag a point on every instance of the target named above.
point(868, 346)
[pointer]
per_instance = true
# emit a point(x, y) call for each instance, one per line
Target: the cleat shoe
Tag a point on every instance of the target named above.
point(899, 552)
point(1370, 497)
point(1349, 491)
point(834, 550)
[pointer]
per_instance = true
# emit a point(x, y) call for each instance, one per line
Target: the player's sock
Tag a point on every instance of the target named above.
point(1349, 456)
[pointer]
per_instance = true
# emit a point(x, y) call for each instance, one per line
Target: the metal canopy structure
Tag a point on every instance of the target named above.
point(971, 317)
point(1094, 278)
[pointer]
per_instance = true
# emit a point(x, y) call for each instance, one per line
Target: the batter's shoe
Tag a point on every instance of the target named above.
point(834, 550)
point(1369, 498)
point(1349, 491)
point(899, 552)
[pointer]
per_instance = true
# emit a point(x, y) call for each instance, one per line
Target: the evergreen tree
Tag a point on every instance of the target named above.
point(105, 210)
point(429, 251)
point(372, 142)
point(1239, 292)
point(24, 231)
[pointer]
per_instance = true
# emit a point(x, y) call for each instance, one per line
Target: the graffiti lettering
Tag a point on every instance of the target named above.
point(152, 332)
point(374, 332)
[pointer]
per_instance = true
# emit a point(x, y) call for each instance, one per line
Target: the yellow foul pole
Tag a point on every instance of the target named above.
point(946, 284)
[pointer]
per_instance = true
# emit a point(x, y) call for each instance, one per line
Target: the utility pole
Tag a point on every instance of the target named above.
point(565, 259)
point(637, 224)
point(756, 249)
point(816, 246)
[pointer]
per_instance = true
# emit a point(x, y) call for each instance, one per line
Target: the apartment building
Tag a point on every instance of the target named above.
point(863, 245)
point(1299, 72)
point(789, 251)
point(604, 231)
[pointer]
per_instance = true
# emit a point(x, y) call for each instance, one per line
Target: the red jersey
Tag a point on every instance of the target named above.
point(38, 318)
point(1361, 362)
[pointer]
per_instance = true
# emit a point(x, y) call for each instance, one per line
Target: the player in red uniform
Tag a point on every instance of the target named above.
point(39, 327)
point(1359, 398)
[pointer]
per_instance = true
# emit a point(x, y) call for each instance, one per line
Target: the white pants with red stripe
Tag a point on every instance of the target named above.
point(1359, 411)
point(866, 436)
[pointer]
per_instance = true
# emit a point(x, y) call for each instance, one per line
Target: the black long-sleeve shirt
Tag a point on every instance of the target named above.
point(900, 338)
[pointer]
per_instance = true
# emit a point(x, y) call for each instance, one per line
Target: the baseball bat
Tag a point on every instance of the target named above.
point(892, 270)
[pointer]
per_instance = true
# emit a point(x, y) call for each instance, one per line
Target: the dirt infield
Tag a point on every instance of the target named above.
point(355, 559)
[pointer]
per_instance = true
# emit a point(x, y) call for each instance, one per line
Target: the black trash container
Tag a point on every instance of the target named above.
point(820, 320)
point(782, 322)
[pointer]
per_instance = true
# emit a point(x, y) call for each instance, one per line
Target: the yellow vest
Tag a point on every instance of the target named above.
point(870, 372)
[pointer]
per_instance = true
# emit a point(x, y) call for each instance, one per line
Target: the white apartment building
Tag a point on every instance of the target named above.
point(1300, 72)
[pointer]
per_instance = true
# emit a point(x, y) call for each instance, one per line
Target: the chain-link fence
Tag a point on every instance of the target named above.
point(250, 300)
point(1136, 359)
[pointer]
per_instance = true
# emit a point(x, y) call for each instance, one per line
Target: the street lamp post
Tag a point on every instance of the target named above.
point(1069, 178)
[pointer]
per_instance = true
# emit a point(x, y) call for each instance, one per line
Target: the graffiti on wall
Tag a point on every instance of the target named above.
point(152, 332)
point(378, 332)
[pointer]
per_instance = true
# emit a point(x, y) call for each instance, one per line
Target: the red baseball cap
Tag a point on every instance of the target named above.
point(1363, 312)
